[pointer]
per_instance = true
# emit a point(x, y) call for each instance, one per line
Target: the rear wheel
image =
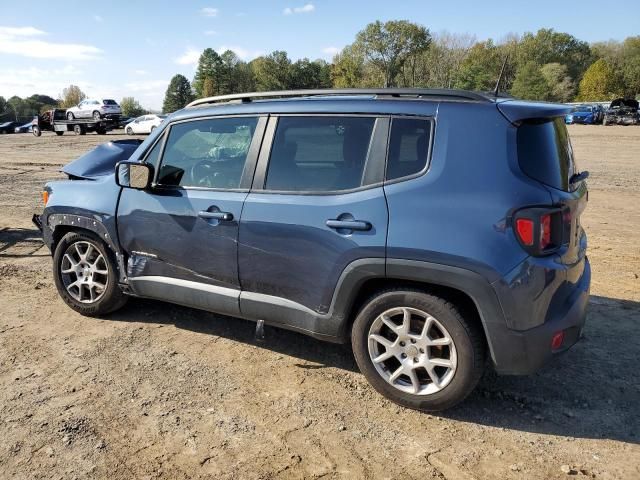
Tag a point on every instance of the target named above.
point(85, 275)
point(59, 133)
point(79, 130)
point(36, 131)
point(417, 349)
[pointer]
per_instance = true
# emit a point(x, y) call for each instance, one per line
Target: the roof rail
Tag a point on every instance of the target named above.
point(377, 92)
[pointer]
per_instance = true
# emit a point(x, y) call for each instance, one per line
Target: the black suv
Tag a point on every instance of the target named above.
point(432, 229)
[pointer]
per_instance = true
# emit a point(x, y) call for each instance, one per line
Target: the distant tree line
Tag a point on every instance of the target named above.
point(17, 108)
point(546, 65)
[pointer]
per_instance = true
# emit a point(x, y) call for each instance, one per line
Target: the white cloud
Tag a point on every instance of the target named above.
point(98, 18)
point(189, 57)
point(210, 33)
point(331, 50)
point(209, 12)
point(140, 72)
point(243, 53)
point(147, 86)
point(308, 8)
point(20, 41)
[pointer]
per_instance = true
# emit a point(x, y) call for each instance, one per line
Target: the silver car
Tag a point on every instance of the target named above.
point(94, 108)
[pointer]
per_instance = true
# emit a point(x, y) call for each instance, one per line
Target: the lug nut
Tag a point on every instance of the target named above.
point(402, 344)
point(415, 359)
point(404, 355)
point(422, 350)
point(413, 340)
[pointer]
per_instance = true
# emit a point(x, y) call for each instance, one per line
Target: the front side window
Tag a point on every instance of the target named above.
point(319, 153)
point(408, 147)
point(207, 153)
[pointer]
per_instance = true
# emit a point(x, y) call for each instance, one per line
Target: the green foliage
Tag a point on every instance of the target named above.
point(272, 72)
point(530, 83)
point(600, 82)
point(387, 46)
point(25, 108)
point(178, 95)
point(209, 67)
point(481, 68)
point(71, 96)
point(561, 87)
point(131, 107)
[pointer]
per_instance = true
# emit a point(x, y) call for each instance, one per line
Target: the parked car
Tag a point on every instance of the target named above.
point(123, 121)
point(144, 124)
point(26, 128)
point(585, 114)
point(96, 109)
point(9, 127)
point(349, 217)
point(622, 111)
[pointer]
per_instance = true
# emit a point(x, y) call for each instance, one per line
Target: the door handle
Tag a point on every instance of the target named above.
point(349, 225)
point(224, 216)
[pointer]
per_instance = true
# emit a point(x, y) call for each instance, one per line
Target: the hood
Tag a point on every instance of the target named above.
point(624, 102)
point(102, 159)
point(581, 114)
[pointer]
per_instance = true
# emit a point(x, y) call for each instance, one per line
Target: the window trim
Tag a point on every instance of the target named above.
point(249, 165)
point(427, 166)
point(378, 145)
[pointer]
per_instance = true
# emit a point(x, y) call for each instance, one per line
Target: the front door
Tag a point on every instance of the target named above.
point(181, 236)
point(317, 205)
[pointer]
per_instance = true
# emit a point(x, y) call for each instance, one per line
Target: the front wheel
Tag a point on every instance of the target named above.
point(96, 116)
point(85, 275)
point(36, 131)
point(417, 349)
point(70, 116)
point(129, 131)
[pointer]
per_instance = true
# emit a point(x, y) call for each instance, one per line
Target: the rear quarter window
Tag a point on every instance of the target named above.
point(545, 153)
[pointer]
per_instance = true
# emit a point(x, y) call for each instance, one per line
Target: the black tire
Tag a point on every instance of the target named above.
point(36, 131)
point(111, 298)
point(70, 116)
point(129, 131)
point(97, 116)
point(59, 133)
point(466, 336)
point(101, 131)
point(153, 127)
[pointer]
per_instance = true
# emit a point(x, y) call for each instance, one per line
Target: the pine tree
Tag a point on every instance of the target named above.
point(209, 66)
point(178, 94)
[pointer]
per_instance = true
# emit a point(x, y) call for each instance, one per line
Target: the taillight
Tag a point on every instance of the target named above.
point(539, 230)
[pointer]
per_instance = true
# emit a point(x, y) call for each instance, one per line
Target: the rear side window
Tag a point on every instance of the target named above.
point(545, 153)
point(408, 147)
point(319, 153)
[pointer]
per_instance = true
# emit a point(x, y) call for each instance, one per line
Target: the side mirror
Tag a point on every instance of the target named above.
point(134, 175)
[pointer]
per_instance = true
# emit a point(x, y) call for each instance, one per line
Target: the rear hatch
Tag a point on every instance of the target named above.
point(545, 154)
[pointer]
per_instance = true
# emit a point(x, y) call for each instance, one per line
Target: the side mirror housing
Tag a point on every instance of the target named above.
point(134, 175)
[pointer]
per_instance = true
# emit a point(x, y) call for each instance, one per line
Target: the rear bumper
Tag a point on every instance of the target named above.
point(525, 352)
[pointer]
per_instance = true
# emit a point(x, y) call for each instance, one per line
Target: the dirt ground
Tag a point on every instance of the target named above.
point(161, 391)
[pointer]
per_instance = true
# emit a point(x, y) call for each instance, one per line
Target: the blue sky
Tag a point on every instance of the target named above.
point(133, 47)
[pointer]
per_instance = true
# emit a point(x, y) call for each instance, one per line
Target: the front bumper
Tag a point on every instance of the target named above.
point(525, 352)
point(37, 221)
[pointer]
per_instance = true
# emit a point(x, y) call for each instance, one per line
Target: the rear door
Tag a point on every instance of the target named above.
point(316, 205)
point(181, 236)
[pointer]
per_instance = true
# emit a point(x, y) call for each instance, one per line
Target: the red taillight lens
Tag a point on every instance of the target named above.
point(545, 231)
point(524, 229)
point(557, 339)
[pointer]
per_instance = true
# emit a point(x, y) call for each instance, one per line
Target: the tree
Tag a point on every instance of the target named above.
point(272, 72)
point(178, 95)
point(209, 66)
point(562, 88)
point(71, 96)
point(387, 46)
point(530, 83)
point(3, 106)
point(549, 46)
point(131, 107)
point(307, 74)
point(347, 70)
point(481, 67)
point(630, 53)
point(599, 82)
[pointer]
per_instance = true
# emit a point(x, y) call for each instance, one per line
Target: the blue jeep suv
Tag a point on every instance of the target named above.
point(437, 231)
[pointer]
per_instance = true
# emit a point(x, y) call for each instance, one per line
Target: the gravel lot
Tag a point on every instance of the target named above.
point(161, 391)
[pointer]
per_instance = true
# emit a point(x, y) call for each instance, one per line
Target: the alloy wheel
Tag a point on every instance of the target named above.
point(84, 272)
point(412, 351)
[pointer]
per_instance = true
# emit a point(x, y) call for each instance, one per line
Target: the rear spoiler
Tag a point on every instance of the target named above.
point(517, 111)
